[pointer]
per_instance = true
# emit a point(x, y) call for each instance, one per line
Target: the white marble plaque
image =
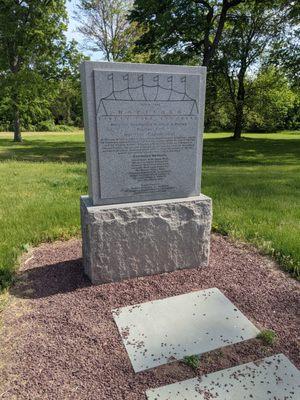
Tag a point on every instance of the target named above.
point(145, 142)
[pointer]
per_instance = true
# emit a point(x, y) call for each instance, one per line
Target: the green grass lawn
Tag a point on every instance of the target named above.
point(254, 184)
point(255, 187)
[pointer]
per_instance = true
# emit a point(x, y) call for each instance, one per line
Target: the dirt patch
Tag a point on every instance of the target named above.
point(59, 340)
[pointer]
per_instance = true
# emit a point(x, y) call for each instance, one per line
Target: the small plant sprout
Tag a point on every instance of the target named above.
point(267, 336)
point(25, 247)
point(192, 361)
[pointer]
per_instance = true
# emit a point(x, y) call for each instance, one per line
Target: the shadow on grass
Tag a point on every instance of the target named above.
point(49, 280)
point(42, 150)
point(224, 151)
point(251, 151)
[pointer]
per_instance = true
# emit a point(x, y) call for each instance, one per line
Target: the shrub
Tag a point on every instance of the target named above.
point(49, 126)
point(45, 126)
point(268, 337)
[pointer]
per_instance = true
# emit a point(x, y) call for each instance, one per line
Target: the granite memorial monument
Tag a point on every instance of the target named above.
point(145, 213)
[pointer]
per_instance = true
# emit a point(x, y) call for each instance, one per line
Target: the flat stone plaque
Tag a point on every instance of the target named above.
point(144, 128)
point(162, 331)
point(273, 378)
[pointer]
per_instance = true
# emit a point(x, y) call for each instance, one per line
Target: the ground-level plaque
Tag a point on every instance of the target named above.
point(273, 378)
point(166, 330)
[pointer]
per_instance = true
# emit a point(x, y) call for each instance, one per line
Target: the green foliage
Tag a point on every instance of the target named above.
point(46, 104)
point(268, 337)
point(218, 108)
point(271, 103)
point(249, 31)
point(170, 29)
point(46, 126)
point(34, 97)
point(37, 66)
point(175, 31)
point(66, 107)
point(25, 247)
point(49, 126)
point(181, 31)
point(44, 87)
point(192, 361)
point(285, 51)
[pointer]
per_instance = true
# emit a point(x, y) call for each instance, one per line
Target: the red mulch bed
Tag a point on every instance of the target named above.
point(59, 340)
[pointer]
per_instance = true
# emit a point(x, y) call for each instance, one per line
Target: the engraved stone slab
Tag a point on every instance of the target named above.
point(162, 331)
point(144, 128)
point(273, 378)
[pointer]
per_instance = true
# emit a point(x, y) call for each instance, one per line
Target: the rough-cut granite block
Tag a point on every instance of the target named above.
point(136, 239)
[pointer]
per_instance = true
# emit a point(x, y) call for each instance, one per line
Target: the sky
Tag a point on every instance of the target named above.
point(72, 34)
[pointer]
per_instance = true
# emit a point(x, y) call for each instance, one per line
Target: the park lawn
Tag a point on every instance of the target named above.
point(254, 184)
point(255, 187)
point(41, 181)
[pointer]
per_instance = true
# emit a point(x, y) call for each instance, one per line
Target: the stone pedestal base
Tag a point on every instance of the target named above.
point(136, 239)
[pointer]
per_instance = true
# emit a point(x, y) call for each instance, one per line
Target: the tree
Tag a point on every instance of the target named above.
point(105, 27)
point(218, 107)
point(182, 30)
point(66, 107)
point(285, 51)
point(271, 104)
point(250, 29)
point(31, 39)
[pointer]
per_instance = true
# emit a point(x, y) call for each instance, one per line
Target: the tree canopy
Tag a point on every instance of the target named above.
point(186, 30)
point(233, 39)
point(31, 46)
point(251, 50)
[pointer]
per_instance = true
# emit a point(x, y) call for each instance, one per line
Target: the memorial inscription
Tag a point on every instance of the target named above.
point(148, 128)
point(151, 118)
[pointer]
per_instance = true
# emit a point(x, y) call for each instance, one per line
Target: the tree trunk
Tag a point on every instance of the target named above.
point(239, 110)
point(15, 68)
point(238, 121)
point(210, 47)
point(17, 127)
point(207, 52)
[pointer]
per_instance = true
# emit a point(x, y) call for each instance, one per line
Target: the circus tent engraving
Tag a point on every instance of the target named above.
point(147, 96)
